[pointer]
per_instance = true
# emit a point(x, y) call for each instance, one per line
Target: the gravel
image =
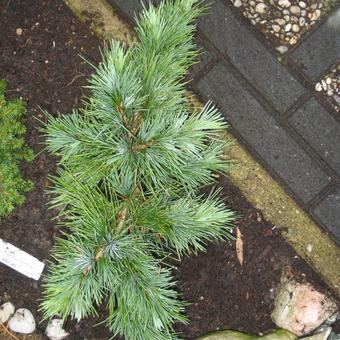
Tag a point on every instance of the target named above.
point(329, 86)
point(284, 20)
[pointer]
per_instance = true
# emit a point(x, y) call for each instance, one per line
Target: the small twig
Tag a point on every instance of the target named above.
point(141, 147)
point(137, 121)
point(74, 78)
point(5, 330)
point(99, 254)
point(121, 216)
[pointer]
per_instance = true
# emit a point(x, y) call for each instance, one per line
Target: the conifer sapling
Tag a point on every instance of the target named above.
point(132, 161)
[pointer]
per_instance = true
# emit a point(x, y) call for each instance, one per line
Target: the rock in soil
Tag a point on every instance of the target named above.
point(55, 330)
point(22, 322)
point(6, 310)
point(300, 308)
point(320, 336)
point(279, 334)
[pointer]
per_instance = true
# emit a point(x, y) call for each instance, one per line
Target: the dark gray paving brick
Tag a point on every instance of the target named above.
point(205, 58)
point(297, 169)
point(130, 7)
point(231, 37)
point(319, 51)
point(320, 130)
point(328, 212)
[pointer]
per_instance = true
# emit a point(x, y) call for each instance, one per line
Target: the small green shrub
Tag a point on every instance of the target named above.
point(12, 151)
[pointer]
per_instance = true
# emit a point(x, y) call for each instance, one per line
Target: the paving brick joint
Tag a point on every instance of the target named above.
point(272, 106)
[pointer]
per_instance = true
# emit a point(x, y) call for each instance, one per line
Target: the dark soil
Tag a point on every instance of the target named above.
point(43, 66)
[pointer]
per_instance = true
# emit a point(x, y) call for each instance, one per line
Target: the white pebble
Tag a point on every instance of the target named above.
point(315, 15)
point(293, 40)
point(261, 8)
point(22, 322)
point(309, 248)
point(318, 87)
point(328, 81)
point(284, 3)
point(302, 21)
point(330, 92)
point(237, 3)
point(55, 330)
point(282, 49)
point(18, 31)
point(6, 310)
point(324, 85)
point(280, 21)
point(296, 28)
point(295, 10)
point(288, 27)
point(302, 4)
point(276, 28)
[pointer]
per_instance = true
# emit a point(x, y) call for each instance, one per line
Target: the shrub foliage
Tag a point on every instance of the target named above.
point(12, 151)
point(132, 162)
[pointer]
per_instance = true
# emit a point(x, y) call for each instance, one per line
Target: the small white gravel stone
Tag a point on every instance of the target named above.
point(276, 28)
point(261, 8)
point(330, 92)
point(237, 3)
point(22, 322)
point(286, 17)
point(328, 81)
point(6, 310)
point(302, 4)
point(295, 10)
point(280, 21)
point(282, 49)
point(302, 21)
point(284, 3)
point(315, 15)
point(293, 40)
point(296, 28)
point(55, 330)
point(318, 87)
point(288, 27)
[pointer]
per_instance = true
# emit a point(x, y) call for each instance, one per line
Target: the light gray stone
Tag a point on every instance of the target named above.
point(22, 322)
point(300, 308)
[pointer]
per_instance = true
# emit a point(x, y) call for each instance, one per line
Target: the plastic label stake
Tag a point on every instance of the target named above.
point(20, 261)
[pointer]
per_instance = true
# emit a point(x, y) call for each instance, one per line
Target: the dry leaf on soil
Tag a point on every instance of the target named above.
point(239, 246)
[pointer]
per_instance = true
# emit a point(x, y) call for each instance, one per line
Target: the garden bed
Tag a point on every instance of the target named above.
point(40, 47)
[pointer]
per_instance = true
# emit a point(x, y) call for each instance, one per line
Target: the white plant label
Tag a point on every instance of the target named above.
point(20, 261)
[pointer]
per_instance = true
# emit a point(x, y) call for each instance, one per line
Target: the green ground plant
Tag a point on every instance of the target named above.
point(12, 152)
point(132, 163)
